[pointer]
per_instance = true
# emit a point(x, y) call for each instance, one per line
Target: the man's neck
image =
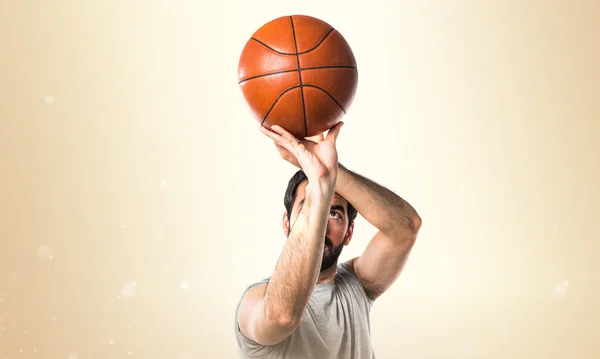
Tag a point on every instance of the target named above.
point(327, 275)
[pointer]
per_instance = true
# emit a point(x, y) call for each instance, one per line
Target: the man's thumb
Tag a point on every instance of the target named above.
point(335, 131)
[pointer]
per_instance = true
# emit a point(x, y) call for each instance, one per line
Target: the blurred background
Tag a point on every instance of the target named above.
point(138, 198)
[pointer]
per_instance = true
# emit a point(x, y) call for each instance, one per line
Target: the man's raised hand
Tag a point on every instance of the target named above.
point(316, 155)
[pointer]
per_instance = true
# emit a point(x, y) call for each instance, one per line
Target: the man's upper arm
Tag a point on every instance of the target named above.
point(382, 261)
point(253, 321)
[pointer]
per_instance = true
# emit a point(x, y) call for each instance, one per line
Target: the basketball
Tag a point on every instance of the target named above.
point(298, 72)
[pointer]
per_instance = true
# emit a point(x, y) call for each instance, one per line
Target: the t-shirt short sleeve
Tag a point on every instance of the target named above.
point(247, 346)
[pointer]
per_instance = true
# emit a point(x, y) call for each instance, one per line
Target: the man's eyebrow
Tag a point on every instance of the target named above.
point(333, 207)
point(339, 208)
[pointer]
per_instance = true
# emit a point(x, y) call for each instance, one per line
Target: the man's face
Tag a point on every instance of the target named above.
point(337, 234)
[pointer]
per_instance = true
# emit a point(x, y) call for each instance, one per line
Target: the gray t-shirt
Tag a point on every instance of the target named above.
point(335, 325)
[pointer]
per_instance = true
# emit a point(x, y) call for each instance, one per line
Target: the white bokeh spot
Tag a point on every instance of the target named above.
point(184, 285)
point(49, 99)
point(560, 290)
point(127, 291)
point(44, 251)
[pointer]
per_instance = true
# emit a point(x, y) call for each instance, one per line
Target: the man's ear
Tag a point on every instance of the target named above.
point(349, 234)
point(286, 224)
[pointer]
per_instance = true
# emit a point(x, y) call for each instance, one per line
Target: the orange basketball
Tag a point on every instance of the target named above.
point(298, 72)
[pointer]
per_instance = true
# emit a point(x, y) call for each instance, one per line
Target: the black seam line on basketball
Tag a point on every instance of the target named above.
point(267, 74)
point(299, 78)
point(301, 69)
point(328, 94)
point(329, 67)
point(294, 53)
point(277, 100)
point(318, 43)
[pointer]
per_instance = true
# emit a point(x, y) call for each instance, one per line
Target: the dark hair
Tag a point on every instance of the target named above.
point(290, 196)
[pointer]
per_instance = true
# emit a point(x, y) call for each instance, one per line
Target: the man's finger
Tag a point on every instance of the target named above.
point(282, 150)
point(279, 139)
point(285, 134)
point(274, 136)
point(335, 131)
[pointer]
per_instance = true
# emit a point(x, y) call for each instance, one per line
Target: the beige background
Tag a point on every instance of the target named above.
point(138, 197)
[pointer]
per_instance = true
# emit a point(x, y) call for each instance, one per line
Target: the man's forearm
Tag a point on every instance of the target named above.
point(297, 269)
point(381, 207)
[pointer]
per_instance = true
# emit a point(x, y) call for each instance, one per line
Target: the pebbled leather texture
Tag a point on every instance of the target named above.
point(298, 72)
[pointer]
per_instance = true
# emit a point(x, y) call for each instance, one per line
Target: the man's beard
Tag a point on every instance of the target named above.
point(330, 254)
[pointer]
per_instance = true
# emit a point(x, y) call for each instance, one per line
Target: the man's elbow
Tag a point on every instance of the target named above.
point(285, 322)
point(415, 223)
point(404, 225)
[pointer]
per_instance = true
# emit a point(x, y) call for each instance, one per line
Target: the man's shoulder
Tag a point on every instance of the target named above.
point(251, 294)
point(347, 278)
point(255, 286)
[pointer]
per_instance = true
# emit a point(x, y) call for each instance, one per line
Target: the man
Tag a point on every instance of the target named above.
point(311, 307)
